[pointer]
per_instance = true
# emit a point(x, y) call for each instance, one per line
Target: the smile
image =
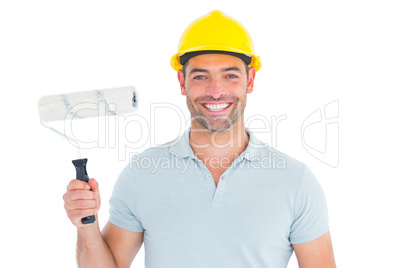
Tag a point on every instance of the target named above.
point(216, 107)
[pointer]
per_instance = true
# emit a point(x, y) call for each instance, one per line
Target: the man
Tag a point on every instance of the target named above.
point(213, 203)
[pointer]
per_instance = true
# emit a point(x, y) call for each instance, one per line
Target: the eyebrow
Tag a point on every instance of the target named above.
point(231, 69)
point(196, 70)
point(206, 71)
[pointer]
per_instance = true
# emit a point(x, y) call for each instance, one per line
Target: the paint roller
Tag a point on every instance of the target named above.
point(85, 104)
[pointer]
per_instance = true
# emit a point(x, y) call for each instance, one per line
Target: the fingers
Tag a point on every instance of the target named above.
point(78, 185)
point(94, 185)
point(95, 188)
point(80, 204)
point(79, 195)
point(75, 216)
point(81, 200)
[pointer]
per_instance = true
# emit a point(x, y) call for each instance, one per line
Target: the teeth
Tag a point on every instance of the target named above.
point(216, 107)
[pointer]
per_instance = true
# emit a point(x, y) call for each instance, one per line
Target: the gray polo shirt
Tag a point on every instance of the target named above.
point(264, 202)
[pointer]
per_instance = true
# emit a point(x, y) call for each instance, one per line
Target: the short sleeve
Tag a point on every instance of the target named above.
point(122, 203)
point(311, 213)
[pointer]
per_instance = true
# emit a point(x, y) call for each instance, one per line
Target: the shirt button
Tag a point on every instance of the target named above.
point(209, 176)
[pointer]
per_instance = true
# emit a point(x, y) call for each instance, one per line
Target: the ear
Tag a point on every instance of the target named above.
point(251, 77)
point(180, 77)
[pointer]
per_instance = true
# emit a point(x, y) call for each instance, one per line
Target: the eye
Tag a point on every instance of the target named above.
point(199, 77)
point(232, 76)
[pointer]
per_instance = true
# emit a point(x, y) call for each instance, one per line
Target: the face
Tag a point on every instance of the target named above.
point(216, 88)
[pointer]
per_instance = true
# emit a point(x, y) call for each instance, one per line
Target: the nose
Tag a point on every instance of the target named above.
point(216, 89)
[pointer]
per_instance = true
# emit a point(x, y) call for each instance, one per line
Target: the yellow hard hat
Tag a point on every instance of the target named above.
point(216, 32)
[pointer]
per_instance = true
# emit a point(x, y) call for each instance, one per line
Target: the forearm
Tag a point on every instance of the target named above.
point(92, 250)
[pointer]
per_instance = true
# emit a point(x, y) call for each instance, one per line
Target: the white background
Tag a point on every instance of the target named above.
point(313, 53)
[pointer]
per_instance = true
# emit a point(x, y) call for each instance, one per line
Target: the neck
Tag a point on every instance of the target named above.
point(228, 143)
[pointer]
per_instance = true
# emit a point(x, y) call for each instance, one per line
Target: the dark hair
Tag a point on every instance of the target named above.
point(185, 67)
point(185, 57)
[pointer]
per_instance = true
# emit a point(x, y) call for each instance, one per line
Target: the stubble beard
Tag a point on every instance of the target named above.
point(218, 123)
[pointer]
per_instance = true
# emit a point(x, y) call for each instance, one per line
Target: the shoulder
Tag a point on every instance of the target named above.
point(282, 160)
point(273, 160)
point(297, 175)
point(148, 161)
point(278, 167)
point(165, 149)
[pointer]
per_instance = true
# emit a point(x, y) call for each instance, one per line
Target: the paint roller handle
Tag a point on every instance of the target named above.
point(81, 170)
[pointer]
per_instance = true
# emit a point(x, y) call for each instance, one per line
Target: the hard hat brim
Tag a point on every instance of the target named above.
point(176, 65)
point(186, 56)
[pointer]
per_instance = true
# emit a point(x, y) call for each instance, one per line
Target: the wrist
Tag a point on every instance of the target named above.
point(90, 229)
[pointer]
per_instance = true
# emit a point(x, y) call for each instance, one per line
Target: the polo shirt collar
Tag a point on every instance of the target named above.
point(254, 150)
point(180, 147)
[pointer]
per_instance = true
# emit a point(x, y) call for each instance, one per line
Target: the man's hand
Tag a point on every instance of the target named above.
point(81, 200)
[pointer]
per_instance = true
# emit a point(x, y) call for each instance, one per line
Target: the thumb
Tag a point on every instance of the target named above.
point(94, 185)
